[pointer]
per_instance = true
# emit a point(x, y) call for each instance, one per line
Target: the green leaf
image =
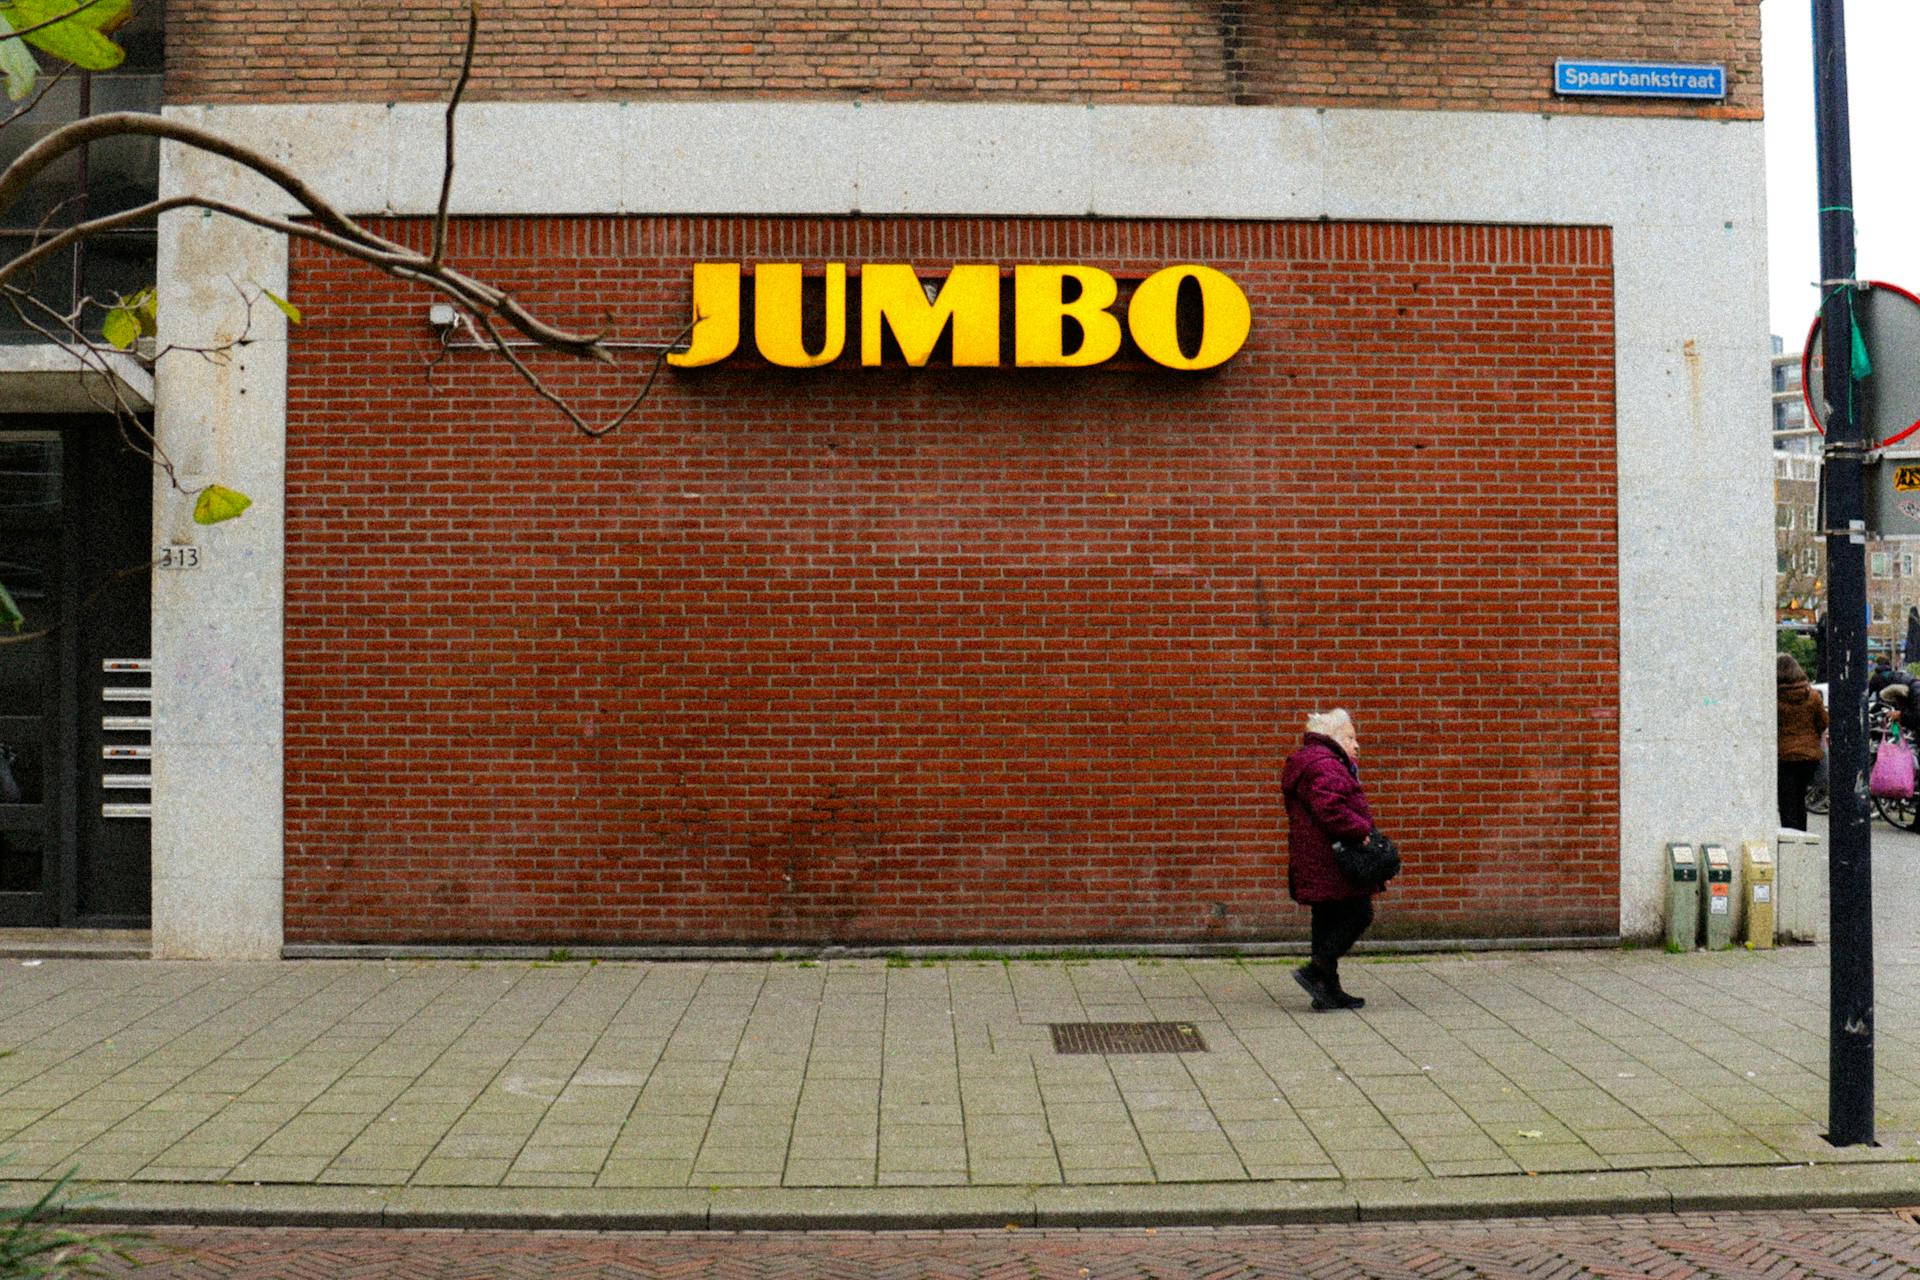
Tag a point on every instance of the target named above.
point(287, 309)
point(10, 615)
point(145, 306)
point(17, 61)
point(120, 328)
point(81, 37)
point(217, 503)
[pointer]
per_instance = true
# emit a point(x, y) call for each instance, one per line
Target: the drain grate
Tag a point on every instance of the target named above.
point(1127, 1037)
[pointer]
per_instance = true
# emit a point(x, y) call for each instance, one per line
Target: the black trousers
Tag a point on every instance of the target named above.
point(1795, 777)
point(1336, 927)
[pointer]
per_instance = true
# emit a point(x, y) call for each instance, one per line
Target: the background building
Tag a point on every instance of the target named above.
point(1800, 553)
point(951, 654)
point(1791, 430)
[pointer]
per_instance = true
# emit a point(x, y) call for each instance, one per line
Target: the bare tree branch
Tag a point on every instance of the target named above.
point(399, 261)
point(90, 356)
point(153, 208)
point(499, 344)
point(453, 106)
point(39, 95)
point(485, 303)
point(116, 124)
point(486, 306)
point(350, 237)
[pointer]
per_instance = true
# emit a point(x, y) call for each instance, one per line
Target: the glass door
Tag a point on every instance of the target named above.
point(35, 736)
point(75, 698)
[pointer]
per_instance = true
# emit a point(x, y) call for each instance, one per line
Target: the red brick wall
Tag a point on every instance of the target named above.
point(893, 654)
point(1473, 55)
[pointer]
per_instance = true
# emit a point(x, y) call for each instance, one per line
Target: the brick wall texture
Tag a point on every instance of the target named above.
point(943, 654)
point(1475, 55)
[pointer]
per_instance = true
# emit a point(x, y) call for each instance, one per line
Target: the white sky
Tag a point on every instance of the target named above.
point(1883, 43)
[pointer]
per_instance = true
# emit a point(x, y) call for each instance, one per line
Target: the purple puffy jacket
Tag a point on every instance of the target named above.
point(1324, 804)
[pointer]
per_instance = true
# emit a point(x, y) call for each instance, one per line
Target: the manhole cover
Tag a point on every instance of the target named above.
point(1127, 1037)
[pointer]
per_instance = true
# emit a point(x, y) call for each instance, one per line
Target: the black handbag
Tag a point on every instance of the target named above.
point(1374, 860)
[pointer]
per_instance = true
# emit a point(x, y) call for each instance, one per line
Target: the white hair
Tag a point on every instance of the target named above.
point(1334, 724)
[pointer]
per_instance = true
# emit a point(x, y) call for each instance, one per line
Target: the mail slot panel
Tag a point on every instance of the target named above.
point(127, 794)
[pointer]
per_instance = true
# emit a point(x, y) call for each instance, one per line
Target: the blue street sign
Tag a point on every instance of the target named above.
point(1639, 79)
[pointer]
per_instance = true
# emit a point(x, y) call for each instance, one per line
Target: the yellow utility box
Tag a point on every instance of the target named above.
point(1756, 873)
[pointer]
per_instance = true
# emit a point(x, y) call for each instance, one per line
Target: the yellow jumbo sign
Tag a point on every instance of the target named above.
point(893, 300)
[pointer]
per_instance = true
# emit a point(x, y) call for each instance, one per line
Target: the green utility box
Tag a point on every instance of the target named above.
point(1683, 897)
point(1719, 896)
point(1756, 880)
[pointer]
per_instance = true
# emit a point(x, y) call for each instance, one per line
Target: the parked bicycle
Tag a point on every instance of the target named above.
point(1904, 811)
point(1818, 801)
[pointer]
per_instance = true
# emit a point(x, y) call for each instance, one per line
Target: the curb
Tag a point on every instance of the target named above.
point(1862, 1185)
point(1436, 948)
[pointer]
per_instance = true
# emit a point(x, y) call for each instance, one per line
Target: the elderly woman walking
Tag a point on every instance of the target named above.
point(1321, 784)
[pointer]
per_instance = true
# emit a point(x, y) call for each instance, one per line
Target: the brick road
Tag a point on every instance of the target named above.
point(1777, 1246)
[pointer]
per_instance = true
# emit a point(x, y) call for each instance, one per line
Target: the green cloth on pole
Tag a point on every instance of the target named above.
point(1862, 363)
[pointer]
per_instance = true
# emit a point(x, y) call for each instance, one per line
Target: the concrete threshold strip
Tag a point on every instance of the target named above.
point(76, 944)
point(1879, 1185)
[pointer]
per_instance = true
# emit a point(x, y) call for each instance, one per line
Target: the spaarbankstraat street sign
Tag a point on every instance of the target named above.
point(1639, 79)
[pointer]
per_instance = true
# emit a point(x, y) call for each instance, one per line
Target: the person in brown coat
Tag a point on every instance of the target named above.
point(1803, 718)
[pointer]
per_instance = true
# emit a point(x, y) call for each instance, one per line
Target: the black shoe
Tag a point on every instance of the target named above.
point(1338, 994)
point(1314, 985)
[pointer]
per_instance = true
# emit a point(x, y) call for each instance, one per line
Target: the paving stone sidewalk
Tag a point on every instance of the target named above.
point(890, 1073)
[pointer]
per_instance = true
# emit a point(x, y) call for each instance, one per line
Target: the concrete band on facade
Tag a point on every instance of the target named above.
point(46, 379)
point(1682, 200)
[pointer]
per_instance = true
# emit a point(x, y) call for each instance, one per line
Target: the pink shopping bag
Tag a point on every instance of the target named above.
point(1892, 777)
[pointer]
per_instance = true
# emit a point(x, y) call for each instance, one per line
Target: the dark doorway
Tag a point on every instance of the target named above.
point(75, 704)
